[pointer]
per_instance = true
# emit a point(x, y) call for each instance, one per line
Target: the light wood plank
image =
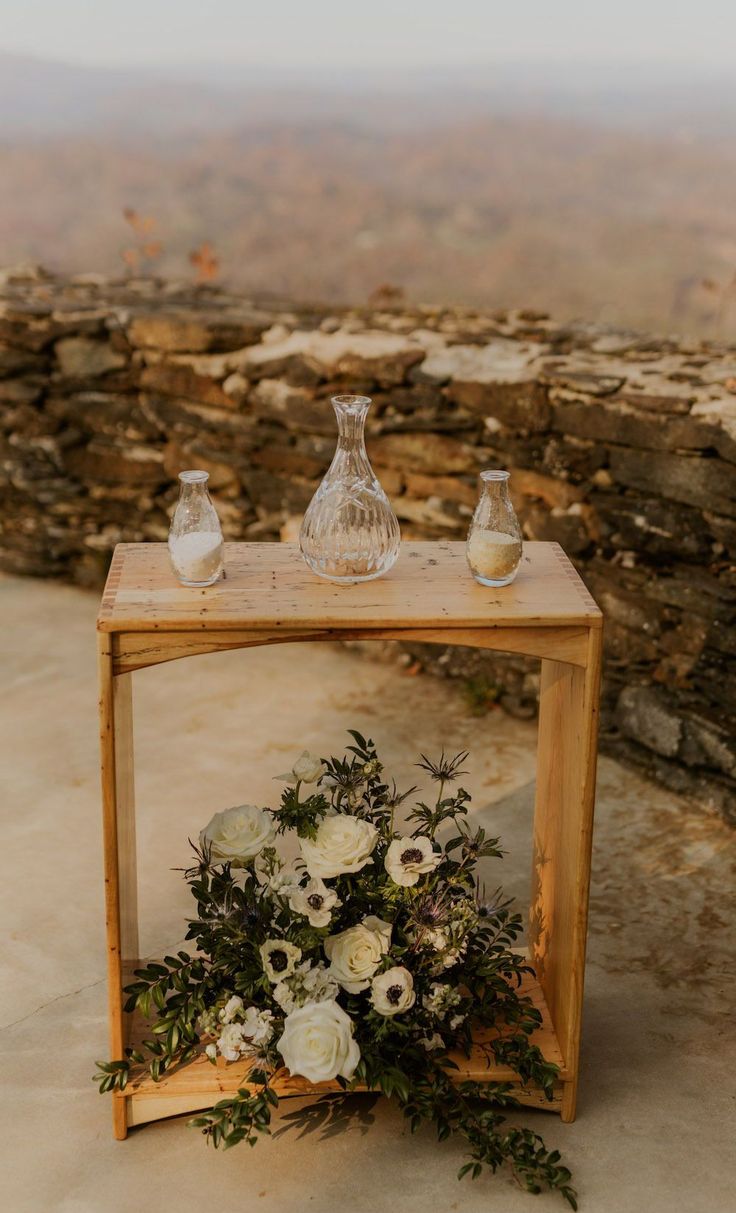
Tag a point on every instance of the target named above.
point(268, 586)
point(145, 1108)
point(138, 650)
point(199, 1084)
point(563, 828)
point(119, 849)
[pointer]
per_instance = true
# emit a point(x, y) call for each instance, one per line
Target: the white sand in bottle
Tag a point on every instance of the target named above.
point(493, 554)
point(196, 556)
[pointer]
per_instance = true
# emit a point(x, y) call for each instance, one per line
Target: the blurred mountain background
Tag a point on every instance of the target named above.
point(601, 191)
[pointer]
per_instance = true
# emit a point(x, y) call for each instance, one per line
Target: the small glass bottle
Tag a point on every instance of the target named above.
point(349, 532)
point(195, 537)
point(494, 539)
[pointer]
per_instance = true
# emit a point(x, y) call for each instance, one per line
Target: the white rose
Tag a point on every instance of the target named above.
point(237, 835)
point(355, 954)
point(315, 901)
point(343, 844)
point(279, 958)
point(374, 923)
point(308, 768)
point(393, 991)
point(318, 1044)
point(408, 858)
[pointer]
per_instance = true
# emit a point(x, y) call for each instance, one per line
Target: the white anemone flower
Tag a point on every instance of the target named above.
point(392, 992)
point(407, 859)
point(279, 958)
point(314, 901)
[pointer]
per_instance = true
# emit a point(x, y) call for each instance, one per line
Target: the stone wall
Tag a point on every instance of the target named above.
point(621, 447)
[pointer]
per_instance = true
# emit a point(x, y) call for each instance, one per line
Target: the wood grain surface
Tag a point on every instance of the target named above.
point(269, 586)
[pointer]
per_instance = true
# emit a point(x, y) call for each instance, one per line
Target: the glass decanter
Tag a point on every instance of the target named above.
point(195, 537)
point(494, 539)
point(349, 532)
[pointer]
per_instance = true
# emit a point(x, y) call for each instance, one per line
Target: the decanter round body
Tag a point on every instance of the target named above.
point(350, 532)
point(195, 537)
point(494, 540)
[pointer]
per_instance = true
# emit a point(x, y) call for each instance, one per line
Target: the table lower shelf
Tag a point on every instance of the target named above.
point(199, 1084)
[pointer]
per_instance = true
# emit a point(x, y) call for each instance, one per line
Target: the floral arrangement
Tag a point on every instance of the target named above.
point(365, 964)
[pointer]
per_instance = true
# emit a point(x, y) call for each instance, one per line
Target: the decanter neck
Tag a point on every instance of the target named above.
point(351, 412)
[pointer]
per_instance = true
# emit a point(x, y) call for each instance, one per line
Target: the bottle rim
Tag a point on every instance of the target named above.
point(194, 476)
point(351, 402)
point(494, 474)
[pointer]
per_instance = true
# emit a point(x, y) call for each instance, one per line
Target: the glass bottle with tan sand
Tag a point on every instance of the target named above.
point(494, 539)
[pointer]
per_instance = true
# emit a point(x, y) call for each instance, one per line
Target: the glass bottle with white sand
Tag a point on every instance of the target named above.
point(195, 537)
point(494, 539)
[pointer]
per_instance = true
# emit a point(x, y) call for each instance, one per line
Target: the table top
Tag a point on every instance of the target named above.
point(268, 585)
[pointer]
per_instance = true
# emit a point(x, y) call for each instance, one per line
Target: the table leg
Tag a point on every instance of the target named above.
point(118, 820)
point(563, 825)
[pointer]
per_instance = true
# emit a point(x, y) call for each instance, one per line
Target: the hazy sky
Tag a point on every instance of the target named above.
point(324, 33)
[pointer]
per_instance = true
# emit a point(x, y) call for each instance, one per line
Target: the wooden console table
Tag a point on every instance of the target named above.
point(270, 597)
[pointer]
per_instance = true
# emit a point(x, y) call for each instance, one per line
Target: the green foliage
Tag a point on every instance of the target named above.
point(457, 944)
point(303, 816)
point(242, 1117)
point(112, 1075)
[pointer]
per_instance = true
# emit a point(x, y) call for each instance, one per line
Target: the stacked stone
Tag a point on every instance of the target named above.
point(621, 447)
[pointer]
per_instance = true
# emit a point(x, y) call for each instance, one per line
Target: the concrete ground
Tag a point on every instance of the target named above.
point(656, 1113)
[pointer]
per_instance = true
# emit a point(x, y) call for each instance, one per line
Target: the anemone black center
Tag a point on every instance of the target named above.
point(411, 855)
point(393, 995)
point(315, 901)
point(279, 960)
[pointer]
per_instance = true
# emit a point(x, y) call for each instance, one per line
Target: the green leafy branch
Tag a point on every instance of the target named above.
point(242, 1117)
point(112, 1075)
point(476, 1112)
